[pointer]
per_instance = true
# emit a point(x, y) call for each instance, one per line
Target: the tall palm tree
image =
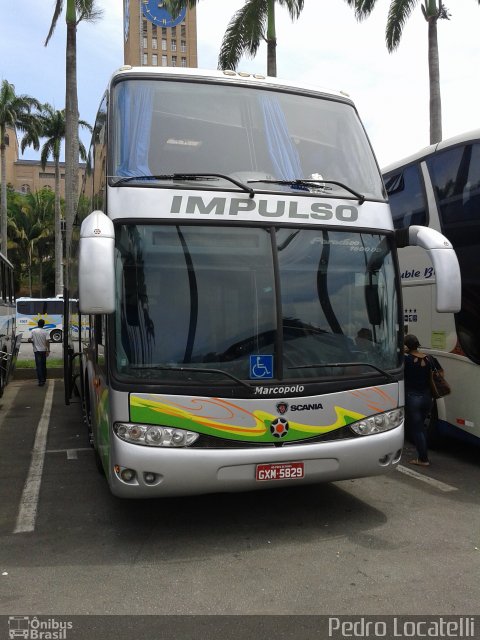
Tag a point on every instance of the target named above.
point(249, 26)
point(53, 128)
point(398, 13)
point(76, 11)
point(15, 112)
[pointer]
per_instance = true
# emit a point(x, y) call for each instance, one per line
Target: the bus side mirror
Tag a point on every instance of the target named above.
point(445, 263)
point(96, 265)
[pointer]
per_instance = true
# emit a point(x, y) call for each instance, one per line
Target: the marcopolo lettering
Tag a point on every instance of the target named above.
point(274, 208)
point(269, 391)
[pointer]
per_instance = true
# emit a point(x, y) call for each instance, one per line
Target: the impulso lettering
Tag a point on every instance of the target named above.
point(273, 208)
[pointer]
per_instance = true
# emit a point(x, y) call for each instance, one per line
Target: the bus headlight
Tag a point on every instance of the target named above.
point(154, 435)
point(379, 422)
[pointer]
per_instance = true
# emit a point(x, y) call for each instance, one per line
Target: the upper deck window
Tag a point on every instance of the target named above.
point(164, 127)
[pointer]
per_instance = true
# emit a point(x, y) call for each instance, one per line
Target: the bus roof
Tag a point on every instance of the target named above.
point(427, 151)
point(238, 77)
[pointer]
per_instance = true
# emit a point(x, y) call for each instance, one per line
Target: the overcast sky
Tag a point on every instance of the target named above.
point(326, 47)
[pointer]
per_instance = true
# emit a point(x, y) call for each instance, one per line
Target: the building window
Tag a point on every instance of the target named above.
point(183, 46)
point(145, 43)
point(184, 62)
point(164, 61)
point(154, 43)
point(145, 59)
point(154, 30)
point(144, 27)
point(154, 59)
point(6, 140)
point(183, 31)
point(25, 188)
point(174, 45)
point(164, 32)
point(174, 32)
point(174, 61)
point(164, 45)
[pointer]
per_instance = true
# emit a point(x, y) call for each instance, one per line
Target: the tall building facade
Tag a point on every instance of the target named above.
point(28, 176)
point(153, 37)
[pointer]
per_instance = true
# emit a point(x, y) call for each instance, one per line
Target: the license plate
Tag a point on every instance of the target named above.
point(280, 471)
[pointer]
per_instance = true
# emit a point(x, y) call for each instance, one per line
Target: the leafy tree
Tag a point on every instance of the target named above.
point(30, 222)
point(398, 13)
point(52, 127)
point(15, 112)
point(76, 11)
point(249, 26)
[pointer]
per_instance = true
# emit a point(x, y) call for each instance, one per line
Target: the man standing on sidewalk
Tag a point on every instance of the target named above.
point(41, 351)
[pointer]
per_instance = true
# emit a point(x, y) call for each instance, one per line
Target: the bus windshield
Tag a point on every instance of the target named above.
point(213, 298)
point(166, 127)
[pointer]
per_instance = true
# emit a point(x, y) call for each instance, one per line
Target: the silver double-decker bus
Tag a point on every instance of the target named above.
point(237, 262)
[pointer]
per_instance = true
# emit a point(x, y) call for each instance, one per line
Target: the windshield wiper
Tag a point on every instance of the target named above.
point(159, 367)
point(189, 177)
point(302, 183)
point(347, 364)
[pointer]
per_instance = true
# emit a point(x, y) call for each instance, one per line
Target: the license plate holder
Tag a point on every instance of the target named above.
point(280, 471)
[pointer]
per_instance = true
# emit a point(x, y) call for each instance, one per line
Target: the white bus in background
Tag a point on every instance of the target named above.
point(439, 187)
point(238, 262)
point(31, 310)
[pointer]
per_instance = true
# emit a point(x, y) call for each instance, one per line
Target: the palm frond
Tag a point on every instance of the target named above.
point(398, 14)
point(244, 33)
point(294, 7)
point(174, 7)
point(87, 11)
point(56, 14)
point(363, 8)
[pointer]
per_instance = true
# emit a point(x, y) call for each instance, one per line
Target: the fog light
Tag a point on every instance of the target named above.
point(149, 477)
point(127, 475)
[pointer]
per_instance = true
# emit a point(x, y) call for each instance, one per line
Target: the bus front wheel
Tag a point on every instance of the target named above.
point(56, 335)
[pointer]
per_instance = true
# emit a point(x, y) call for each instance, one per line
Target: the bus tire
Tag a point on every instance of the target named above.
point(56, 335)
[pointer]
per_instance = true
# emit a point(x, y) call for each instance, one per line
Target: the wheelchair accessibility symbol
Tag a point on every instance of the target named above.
point(261, 367)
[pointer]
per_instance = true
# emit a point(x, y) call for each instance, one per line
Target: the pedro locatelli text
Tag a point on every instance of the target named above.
point(402, 627)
